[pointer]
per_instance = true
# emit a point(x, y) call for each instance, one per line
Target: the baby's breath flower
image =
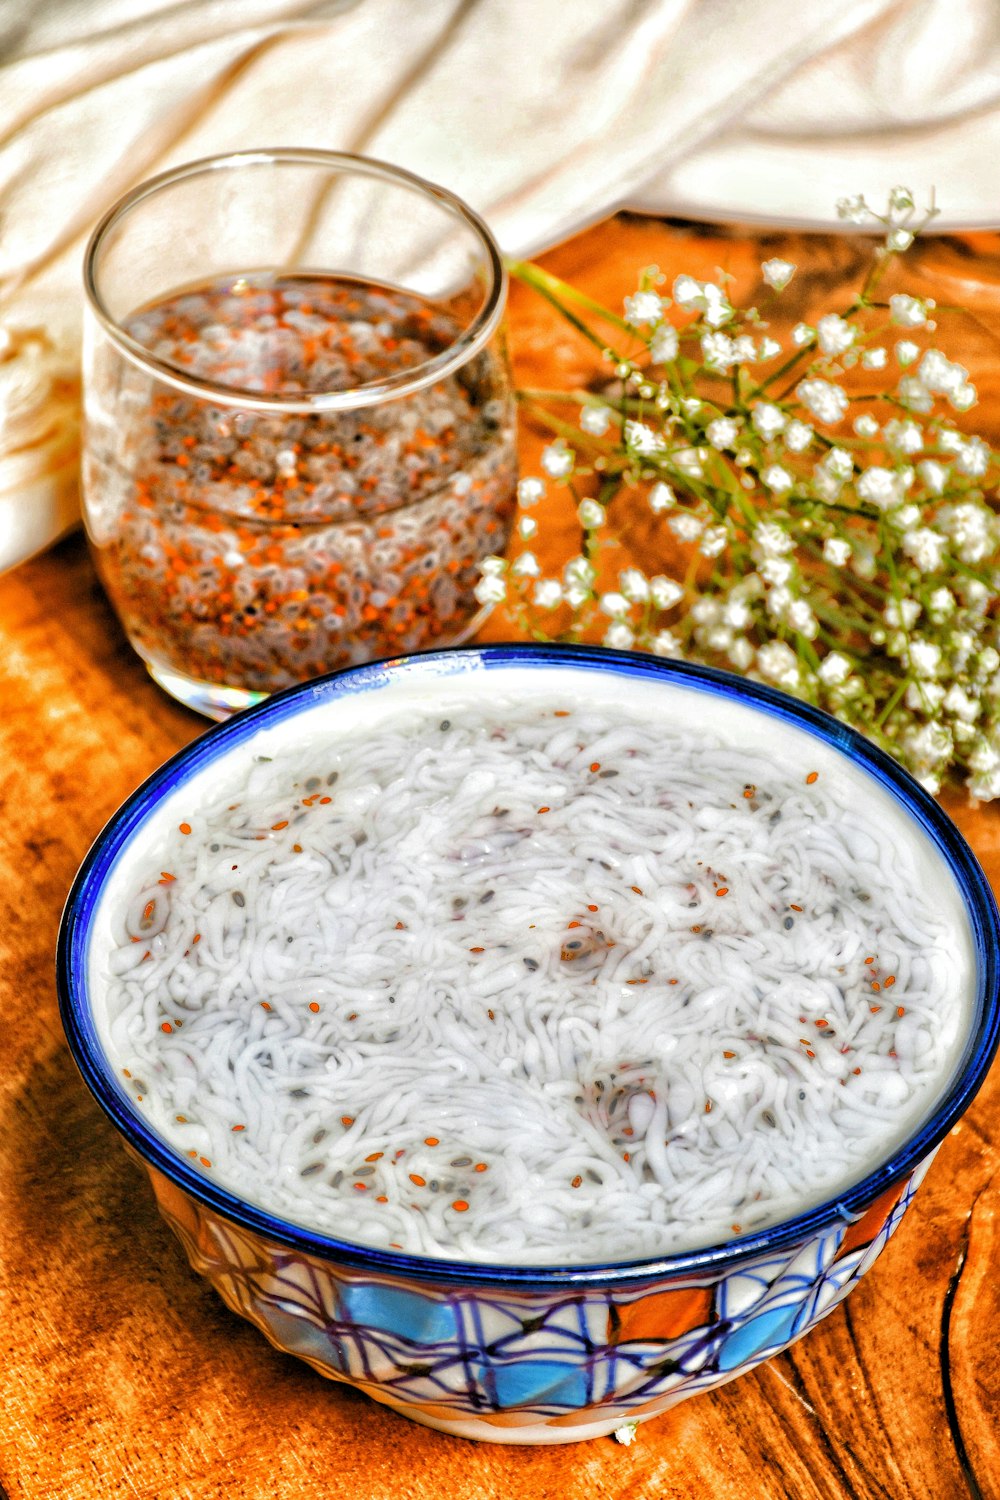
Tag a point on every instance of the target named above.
point(526, 566)
point(741, 653)
point(777, 273)
point(527, 527)
point(839, 463)
point(906, 352)
point(493, 567)
point(664, 344)
point(779, 664)
point(975, 594)
point(548, 593)
point(865, 426)
point(717, 308)
point(904, 437)
point(530, 491)
point(904, 517)
point(596, 420)
point(902, 613)
point(973, 458)
point(827, 402)
point(744, 349)
point(736, 613)
point(771, 540)
point(930, 746)
point(802, 335)
point(801, 619)
point(643, 307)
point(723, 432)
point(941, 605)
point(971, 528)
point(665, 643)
point(826, 486)
point(854, 208)
point(590, 514)
point(898, 240)
point(914, 395)
point(875, 359)
point(665, 592)
point(706, 611)
point(614, 604)
point(983, 787)
point(880, 486)
point(642, 439)
point(864, 565)
point(687, 291)
point(689, 461)
point(777, 479)
point(718, 351)
point(661, 498)
point(775, 571)
point(924, 697)
point(704, 295)
point(558, 460)
point(685, 526)
point(768, 419)
point(768, 348)
point(619, 636)
point(925, 658)
point(579, 571)
point(778, 601)
point(634, 585)
point(984, 757)
point(834, 669)
point(836, 551)
point(908, 312)
point(958, 702)
point(797, 436)
point(490, 589)
point(717, 639)
point(940, 374)
point(835, 334)
point(713, 541)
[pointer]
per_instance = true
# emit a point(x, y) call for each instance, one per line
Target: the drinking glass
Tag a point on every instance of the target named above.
point(299, 423)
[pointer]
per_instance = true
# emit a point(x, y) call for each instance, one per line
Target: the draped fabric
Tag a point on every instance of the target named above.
point(544, 115)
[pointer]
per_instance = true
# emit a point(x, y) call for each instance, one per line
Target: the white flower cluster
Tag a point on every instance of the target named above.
point(841, 546)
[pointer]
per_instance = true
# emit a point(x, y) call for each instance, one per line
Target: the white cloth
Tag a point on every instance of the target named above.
point(544, 115)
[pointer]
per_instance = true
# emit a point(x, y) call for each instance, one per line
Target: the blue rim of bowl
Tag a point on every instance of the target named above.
point(842, 1210)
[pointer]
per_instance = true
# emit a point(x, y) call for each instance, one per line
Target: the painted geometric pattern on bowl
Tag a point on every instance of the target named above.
point(513, 1359)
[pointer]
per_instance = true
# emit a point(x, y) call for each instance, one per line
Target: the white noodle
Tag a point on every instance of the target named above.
point(636, 1064)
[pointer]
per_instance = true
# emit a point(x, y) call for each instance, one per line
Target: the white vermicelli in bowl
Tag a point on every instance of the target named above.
point(534, 978)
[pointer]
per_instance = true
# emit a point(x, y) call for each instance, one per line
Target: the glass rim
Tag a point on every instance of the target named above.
point(836, 1212)
point(393, 387)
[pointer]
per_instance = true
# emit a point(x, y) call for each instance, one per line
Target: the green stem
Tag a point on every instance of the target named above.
point(552, 289)
point(880, 722)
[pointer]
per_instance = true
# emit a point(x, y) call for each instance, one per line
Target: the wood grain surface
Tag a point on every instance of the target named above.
point(122, 1374)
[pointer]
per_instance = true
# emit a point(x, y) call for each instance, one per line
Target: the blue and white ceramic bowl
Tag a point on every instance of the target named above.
point(513, 1353)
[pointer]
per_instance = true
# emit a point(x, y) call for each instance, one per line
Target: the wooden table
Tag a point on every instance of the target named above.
point(122, 1374)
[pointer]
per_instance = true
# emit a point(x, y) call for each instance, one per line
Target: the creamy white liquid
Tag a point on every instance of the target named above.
point(533, 967)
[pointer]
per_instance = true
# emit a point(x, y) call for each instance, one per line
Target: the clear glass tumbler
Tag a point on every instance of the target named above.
point(299, 423)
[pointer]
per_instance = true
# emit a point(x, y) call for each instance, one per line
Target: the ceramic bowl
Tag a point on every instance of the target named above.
point(528, 1354)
